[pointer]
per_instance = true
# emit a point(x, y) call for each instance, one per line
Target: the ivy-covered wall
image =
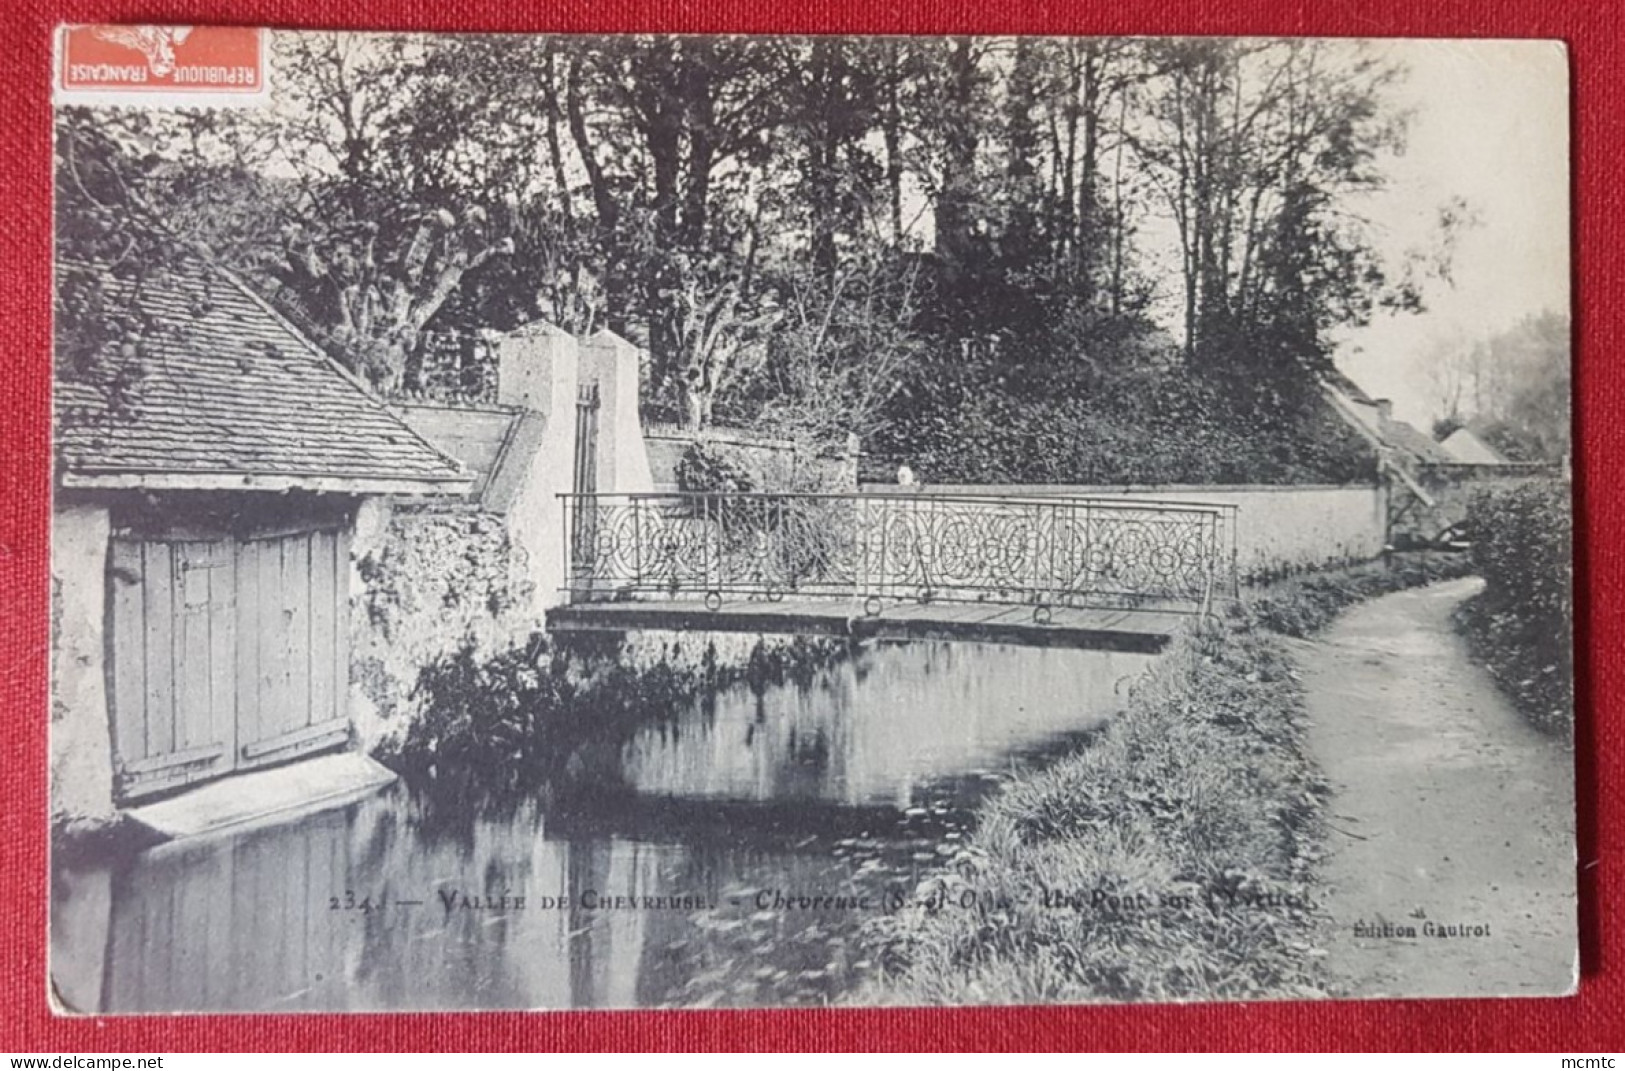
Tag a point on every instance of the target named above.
point(427, 583)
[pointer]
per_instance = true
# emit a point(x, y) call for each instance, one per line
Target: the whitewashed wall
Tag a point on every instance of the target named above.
point(81, 749)
point(1279, 529)
point(540, 369)
point(610, 361)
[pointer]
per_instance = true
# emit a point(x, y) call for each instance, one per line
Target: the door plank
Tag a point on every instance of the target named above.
point(192, 715)
point(296, 659)
point(318, 656)
point(341, 624)
point(288, 744)
point(299, 614)
point(159, 614)
point(273, 643)
point(248, 628)
point(223, 647)
point(126, 589)
point(208, 753)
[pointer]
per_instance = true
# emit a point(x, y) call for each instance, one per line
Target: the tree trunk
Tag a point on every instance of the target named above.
point(555, 151)
point(822, 156)
point(699, 117)
point(960, 139)
point(892, 135)
point(603, 197)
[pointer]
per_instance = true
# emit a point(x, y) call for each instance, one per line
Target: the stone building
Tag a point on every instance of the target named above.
point(1431, 482)
point(250, 550)
point(201, 538)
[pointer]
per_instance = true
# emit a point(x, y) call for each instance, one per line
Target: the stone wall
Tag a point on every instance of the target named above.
point(1279, 528)
point(433, 578)
point(540, 371)
point(425, 584)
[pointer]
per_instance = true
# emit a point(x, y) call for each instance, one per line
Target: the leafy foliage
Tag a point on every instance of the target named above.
point(1110, 404)
point(538, 715)
point(705, 469)
point(1303, 605)
point(817, 235)
point(1522, 626)
point(110, 247)
point(1512, 389)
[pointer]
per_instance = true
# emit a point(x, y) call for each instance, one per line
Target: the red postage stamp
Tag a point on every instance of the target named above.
point(161, 65)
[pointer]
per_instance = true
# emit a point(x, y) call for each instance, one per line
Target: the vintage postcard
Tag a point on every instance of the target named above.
point(696, 521)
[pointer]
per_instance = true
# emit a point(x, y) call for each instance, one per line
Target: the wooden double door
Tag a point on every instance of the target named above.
point(228, 652)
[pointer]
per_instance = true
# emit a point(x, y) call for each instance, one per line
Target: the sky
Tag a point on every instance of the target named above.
point(1490, 124)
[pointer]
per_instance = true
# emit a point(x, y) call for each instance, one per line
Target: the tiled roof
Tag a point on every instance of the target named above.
point(1368, 415)
point(1465, 446)
point(231, 395)
point(1411, 440)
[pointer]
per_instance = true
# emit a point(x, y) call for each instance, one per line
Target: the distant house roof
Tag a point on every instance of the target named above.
point(497, 445)
point(231, 396)
point(1373, 419)
point(1465, 447)
point(1400, 447)
point(1411, 441)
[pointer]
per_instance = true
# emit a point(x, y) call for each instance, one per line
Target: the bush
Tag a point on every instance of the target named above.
point(1522, 545)
point(704, 469)
point(1163, 427)
point(525, 718)
point(1522, 627)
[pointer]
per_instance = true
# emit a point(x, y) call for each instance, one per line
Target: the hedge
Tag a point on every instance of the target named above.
point(1522, 626)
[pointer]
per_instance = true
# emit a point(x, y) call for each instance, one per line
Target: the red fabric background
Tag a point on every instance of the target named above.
point(1592, 1021)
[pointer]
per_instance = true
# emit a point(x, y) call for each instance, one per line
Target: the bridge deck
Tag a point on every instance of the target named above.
point(1111, 630)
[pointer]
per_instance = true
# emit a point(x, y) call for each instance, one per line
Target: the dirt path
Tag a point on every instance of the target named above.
point(1448, 810)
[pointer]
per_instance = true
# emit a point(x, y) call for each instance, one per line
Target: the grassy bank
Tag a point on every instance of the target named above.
point(1175, 857)
point(1303, 605)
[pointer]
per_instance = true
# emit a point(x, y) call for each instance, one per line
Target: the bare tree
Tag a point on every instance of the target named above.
point(1232, 133)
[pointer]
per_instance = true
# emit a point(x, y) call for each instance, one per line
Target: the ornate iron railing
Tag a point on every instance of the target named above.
point(1048, 552)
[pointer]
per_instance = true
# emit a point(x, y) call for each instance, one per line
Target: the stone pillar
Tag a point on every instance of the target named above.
point(623, 459)
point(538, 366)
point(81, 734)
point(537, 369)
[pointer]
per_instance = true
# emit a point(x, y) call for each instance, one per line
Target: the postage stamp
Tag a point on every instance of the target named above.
point(146, 66)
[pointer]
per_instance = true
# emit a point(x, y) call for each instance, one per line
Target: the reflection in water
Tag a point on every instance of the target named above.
point(847, 787)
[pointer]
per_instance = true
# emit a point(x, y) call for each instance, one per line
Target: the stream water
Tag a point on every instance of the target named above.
point(747, 844)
